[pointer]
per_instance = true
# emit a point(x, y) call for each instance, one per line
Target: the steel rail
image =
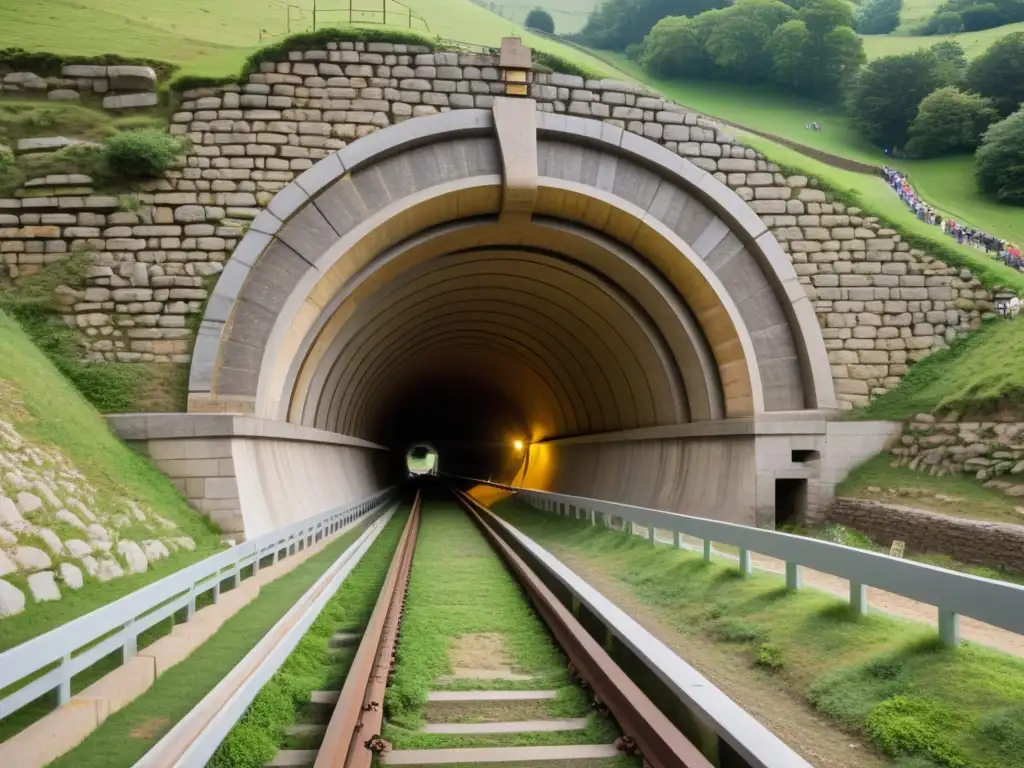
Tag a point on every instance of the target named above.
point(353, 733)
point(660, 742)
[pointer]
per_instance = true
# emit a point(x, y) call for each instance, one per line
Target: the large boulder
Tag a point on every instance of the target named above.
point(12, 601)
point(43, 587)
point(31, 558)
point(133, 555)
point(129, 78)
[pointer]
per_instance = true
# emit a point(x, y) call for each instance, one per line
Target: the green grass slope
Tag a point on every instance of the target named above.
point(47, 411)
point(981, 372)
point(213, 39)
point(973, 43)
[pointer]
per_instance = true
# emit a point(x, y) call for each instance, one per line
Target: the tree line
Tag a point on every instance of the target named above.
point(923, 104)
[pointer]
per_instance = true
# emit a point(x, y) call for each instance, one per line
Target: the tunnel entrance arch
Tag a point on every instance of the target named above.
point(478, 275)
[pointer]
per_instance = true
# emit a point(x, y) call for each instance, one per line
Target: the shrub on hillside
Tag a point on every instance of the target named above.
point(946, 23)
point(978, 17)
point(883, 99)
point(540, 19)
point(999, 162)
point(999, 73)
point(949, 120)
point(952, 61)
point(879, 17)
point(141, 154)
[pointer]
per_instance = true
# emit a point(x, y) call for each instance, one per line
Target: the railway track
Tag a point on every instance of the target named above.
point(493, 714)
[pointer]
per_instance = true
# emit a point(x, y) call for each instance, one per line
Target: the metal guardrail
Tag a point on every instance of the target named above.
point(752, 743)
point(194, 739)
point(53, 659)
point(954, 594)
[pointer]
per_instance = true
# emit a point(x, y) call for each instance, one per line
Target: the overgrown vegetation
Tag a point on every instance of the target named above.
point(886, 680)
point(127, 735)
point(999, 165)
point(258, 735)
point(33, 302)
point(46, 64)
point(46, 409)
point(980, 371)
point(459, 588)
point(141, 154)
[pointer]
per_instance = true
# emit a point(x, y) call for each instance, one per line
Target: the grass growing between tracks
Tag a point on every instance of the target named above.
point(884, 679)
point(459, 590)
point(126, 735)
point(311, 667)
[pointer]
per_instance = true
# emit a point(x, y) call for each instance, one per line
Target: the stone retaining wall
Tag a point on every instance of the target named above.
point(995, 545)
point(992, 450)
point(119, 87)
point(881, 305)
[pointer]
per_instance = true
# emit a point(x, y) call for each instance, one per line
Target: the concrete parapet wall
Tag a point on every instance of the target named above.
point(252, 476)
point(707, 468)
point(996, 545)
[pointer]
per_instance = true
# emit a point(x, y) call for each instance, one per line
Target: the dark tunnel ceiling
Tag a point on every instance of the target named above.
point(472, 350)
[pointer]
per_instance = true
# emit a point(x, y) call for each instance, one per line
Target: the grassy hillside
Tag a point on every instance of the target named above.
point(214, 38)
point(980, 371)
point(974, 43)
point(947, 183)
point(49, 414)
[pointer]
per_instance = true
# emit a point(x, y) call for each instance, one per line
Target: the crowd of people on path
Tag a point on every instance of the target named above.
point(1000, 249)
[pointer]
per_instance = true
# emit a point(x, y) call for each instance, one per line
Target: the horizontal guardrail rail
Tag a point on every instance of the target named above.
point(953, 594)
point(51, 660)
point(753, 742)
point(194, 739)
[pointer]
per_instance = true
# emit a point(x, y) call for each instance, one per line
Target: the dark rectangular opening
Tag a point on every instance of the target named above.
point(790, 501)
point(805, 455)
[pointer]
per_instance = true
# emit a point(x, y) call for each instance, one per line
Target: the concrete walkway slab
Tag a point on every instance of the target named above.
point(491, 695)
point(516, 726)
point(344, 640)
point(292, 758)
point(466, 673)
point(500, 754)
point(305, 729)
point(324, 697)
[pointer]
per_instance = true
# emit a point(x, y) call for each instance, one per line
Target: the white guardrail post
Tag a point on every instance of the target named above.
point(998, 603)
point(48, 662)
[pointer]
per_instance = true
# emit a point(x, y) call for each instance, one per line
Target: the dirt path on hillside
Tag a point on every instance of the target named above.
point(787, 716)
point(886, 602)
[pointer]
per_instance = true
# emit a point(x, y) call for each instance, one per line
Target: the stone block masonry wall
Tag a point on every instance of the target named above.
point(995, 545)
point(991, 450)
point(119, 87)
point(881, 305)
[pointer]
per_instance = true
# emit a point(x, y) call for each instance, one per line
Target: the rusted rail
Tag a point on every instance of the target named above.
point(353, 734)
point(658, 740)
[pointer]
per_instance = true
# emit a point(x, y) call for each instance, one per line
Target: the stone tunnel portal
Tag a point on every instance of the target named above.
point(482, 277)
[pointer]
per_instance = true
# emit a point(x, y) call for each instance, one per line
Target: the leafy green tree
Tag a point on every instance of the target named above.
point(879, 17)
point(999, 162)
point(946, 23)
point(949, 120)
point(540, 19)
point(738, 41)
point(999, 73)
point(952, 61)
point(675, 48)
point(616, 24)
point(884, 96)
point(788, 46)
point(842, 55)
point(984, 16)
point(822, 16)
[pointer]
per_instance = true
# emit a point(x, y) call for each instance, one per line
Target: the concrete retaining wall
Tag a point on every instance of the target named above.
point(996, 545)
point(252, 476)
